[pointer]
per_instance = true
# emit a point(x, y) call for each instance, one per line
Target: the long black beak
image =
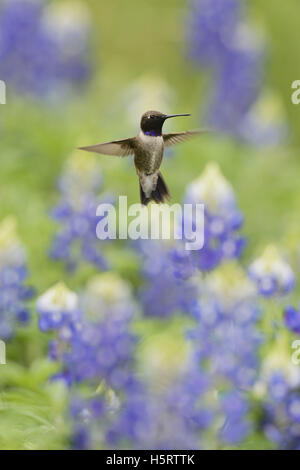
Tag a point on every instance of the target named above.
point(175, 115)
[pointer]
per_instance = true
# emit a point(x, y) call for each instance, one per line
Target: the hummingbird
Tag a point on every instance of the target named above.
point(148, 149)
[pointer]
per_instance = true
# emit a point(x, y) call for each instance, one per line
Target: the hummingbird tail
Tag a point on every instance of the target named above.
point(158, 195)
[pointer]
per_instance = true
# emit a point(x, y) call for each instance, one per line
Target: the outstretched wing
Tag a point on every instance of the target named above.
point(119, 148)
point(178, 137)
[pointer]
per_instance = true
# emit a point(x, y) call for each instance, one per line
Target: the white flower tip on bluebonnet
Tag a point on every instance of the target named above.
point(211, 189)
point(106, 293)
point(230, 285)
point(269, 107)
point(70, 22)
point(272, 272)
point(265, 124)
point(163, 358)
point(11, 249)
point(110, 288)
point(247, 39)
point(58, 299)
point(278, 360)
point(260, 389)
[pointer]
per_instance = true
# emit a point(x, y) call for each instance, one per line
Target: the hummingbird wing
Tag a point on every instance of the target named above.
point(119, 148)
point(178, 137)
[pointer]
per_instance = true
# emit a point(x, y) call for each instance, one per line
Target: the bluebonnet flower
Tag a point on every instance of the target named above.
point(227, 313)
point(166, 291)
point(220, 39)
point(96, 345)
point(172, 418)
point(211, 27)
point(271, 273)
point(125, 409)
point(164, 265)
point(14, 294)
point(236, 426)
point(103, 348)
point(100, 351)
point(70, 24)
point(292, 319)
point(85, 413)
point(169, 268)
point(279, 392)
point(34, 57)
point(222, 222)
point(58, 310)
point(265, 124)
point(145, 418)
point(236, 90)
point(226, 339)
point(76, 212)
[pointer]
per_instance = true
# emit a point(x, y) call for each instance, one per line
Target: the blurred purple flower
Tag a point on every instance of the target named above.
point(77, 241)
point(33, 56)
point(166, 291)
point(220, 39)
point(235, 91)
point(236, 426)
point(222, 220)
point(97, 344)
point(168, 419)
point(292, 319)
point(168, 267)
point(212, 24)
point(226, 340)
point(58, 310)
point(14, 293)
point(272, 274)
point(281, 412)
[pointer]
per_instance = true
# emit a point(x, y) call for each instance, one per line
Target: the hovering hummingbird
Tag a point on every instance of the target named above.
point(147, 148)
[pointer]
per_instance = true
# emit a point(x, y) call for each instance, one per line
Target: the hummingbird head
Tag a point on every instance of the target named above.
point(152, 122)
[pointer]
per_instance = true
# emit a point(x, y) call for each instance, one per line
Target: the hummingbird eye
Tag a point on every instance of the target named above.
point(152, 116)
